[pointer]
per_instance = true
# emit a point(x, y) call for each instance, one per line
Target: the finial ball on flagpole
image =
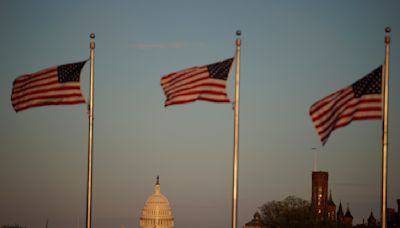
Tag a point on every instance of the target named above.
point(387, 29)
point(238, 33)
point(92, 35)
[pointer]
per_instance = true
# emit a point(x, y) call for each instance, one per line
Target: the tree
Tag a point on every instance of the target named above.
point(292, 212)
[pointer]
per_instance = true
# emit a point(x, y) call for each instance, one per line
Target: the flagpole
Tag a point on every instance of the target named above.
point(90, 149)
point(385, 129)
point(236, 135)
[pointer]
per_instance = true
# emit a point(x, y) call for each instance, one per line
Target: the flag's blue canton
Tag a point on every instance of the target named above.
point(371, 84)
point(220, 70)
point(70, 72)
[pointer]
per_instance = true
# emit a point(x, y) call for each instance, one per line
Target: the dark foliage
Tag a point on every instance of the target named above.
point(292, 212)
point(12, 226)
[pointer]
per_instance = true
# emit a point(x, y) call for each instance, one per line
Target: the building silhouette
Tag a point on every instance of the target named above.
point(324, 209)
point(331, 209)
point(372, 220)
point(323, 206)
point(347, 219)
point(256, 222)
point(392, 218)
point(319, 194)
point(340, 214)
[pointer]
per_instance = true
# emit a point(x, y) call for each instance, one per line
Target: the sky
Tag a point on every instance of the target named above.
point(293, 53)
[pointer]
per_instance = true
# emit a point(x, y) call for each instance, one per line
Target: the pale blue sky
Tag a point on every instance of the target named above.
point(293, 53)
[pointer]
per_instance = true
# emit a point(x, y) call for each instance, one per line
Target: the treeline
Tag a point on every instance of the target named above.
point(291, 212)
point(12, 226)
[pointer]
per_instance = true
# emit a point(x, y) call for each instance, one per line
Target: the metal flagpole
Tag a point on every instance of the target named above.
point(385, 128)
point(236, 135)
point(90, 149)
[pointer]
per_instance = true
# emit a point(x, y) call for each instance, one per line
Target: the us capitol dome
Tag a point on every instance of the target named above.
point(157, 212)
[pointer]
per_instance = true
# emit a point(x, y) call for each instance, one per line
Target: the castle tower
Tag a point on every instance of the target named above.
point(340, 215)
point(157, 212)
point(319, 193)
point(348, 218)
point(331, 209)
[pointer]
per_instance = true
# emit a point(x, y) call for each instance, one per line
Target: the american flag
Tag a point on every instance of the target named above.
point(360, 101)
point(207, 83)
point(59, 85)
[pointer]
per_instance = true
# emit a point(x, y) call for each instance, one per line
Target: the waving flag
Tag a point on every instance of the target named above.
point(207, 83)
point(360, 101)
point(59, 85)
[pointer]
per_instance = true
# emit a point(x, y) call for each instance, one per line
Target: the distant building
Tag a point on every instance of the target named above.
point(319, 194)
point(157, 212)
point(393, 217)
point(347, 219)
point(371, 220)
point(340, 214)
point(256, 222)
point(323, 206)
point(331, 209)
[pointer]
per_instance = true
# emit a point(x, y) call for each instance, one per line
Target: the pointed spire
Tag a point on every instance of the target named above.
point(348, 214)
point(330, 200)
point(371, 215)
point(340, 212)
point(158, 180)
point(371, 219)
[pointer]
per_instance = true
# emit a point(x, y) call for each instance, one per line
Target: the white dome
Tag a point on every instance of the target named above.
point(157, 211)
